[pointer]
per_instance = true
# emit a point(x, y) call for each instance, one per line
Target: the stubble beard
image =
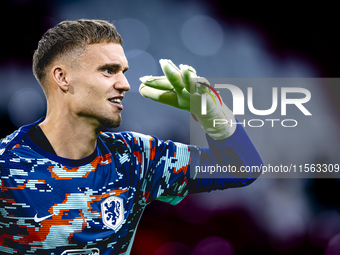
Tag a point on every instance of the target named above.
point(110, 123)
point(102, 121)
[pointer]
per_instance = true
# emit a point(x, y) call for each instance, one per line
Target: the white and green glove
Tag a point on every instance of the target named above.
point(183, 89)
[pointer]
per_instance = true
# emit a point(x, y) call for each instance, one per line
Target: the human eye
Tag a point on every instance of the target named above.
point(109, 70)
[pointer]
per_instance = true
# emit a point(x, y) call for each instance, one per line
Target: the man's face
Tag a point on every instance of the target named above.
point(98, 84)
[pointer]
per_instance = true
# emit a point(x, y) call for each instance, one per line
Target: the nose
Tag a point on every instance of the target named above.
point(122, 83)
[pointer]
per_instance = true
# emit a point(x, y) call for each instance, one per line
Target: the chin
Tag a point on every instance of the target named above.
point(110, 123)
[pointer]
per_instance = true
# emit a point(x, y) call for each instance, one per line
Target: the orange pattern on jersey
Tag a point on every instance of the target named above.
point(139, 156)
point(99, 160)
point(17, 146)
point(152, 150)
point(182, 169)
point(5, 188)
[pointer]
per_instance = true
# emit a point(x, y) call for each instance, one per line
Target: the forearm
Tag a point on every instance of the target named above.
point(227, 163)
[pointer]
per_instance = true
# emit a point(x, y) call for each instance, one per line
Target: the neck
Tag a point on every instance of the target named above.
point(70, 137)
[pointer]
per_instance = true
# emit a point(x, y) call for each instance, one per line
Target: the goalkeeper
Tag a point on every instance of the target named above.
point(69, 188)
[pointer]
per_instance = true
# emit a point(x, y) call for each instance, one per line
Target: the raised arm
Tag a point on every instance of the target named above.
point(231, 159)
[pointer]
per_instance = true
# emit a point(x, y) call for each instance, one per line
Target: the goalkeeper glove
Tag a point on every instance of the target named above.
point(183, 89)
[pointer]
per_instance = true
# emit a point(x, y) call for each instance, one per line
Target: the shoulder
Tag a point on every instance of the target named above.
point(11, 140)
point(141, 143)
point(16, 137)
point(130, 139)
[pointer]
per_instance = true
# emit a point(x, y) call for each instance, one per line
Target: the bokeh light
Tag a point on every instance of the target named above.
point(26, 106)
point(213, 245)
point(202, 35)
point(135, 34)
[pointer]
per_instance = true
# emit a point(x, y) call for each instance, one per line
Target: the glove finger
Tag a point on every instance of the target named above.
point(157, 82)
point(161, 96)
point(172, 73)
point(189, 78)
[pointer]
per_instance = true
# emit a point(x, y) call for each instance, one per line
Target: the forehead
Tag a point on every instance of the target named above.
point(104, 53)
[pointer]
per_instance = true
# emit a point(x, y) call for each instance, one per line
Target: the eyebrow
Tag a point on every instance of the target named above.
point(113, 66)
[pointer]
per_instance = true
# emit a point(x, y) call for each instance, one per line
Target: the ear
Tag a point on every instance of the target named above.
point(59, 77)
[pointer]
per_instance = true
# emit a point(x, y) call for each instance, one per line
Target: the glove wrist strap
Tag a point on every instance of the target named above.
point(217, 123)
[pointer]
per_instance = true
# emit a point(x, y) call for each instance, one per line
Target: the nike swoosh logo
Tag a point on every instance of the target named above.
point(36, 219)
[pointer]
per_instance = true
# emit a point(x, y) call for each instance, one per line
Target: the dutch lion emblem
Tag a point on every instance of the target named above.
point(113, 212)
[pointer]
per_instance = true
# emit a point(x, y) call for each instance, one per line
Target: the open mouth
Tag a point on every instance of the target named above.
point(117, 101)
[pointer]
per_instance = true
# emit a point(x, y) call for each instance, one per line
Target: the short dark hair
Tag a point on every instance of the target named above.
point(68, 37)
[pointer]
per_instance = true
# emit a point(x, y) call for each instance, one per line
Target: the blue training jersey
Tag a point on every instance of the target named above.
point(53, 205)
